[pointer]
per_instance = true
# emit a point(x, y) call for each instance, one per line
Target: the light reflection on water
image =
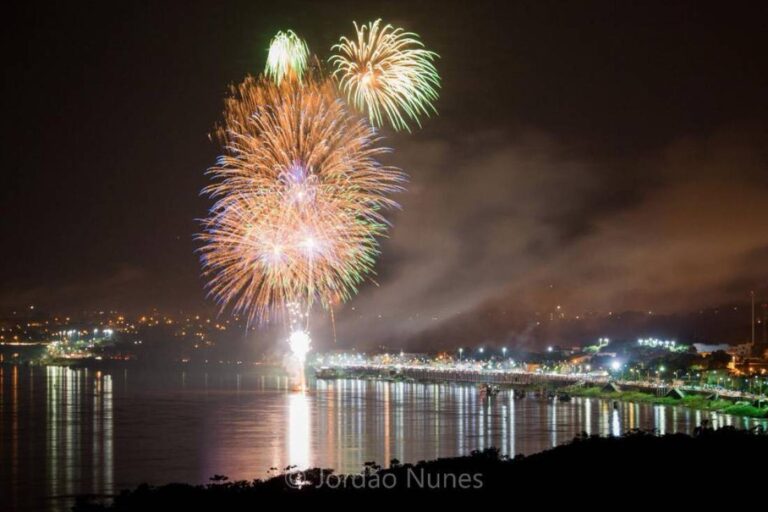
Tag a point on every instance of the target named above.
point(299, 430)
point(56, 431)
point(68, 431)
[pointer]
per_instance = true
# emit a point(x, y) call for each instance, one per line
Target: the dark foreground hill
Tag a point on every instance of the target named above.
point(636, 469)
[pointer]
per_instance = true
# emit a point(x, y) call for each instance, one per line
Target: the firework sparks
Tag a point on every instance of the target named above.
point(299, 193)
point(299, 341)
point(288, 57)
point(300, 197)
point(386, 71)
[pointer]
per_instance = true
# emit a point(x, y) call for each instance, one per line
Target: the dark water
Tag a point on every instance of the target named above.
point(72, 431)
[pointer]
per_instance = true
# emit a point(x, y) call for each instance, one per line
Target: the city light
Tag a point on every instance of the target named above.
point(656, 343)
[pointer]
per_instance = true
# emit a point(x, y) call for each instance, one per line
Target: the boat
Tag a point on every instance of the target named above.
point(326, 373)
point(488, 390)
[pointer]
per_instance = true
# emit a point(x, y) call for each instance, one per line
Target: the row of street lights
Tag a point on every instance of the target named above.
point(481, 350)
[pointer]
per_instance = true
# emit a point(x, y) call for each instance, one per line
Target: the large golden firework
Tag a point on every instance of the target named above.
point(299, 198)
point(385, 71)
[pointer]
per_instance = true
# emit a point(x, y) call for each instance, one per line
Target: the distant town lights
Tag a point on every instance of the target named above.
point(658, 343)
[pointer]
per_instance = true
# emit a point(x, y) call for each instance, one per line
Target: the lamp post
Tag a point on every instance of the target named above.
point(752, 344)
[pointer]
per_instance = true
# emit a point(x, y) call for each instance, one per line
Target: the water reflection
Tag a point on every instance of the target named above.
point(62, 430)
point(615, 423)
point(79, 444)
point(56, 436)
point(299, 431)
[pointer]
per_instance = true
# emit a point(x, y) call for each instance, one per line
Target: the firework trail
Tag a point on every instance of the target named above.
point(387, 72)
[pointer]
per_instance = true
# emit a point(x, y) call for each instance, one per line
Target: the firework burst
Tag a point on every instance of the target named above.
point(387, 72)
point(288, 57)
point(299, 198)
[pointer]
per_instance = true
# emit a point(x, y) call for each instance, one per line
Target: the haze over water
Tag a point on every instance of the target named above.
point(76, 431)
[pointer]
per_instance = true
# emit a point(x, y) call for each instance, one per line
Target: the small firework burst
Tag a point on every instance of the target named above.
point(288, 57)
point(386, 72)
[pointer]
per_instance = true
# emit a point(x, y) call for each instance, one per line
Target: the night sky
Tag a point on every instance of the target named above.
point(600, 156)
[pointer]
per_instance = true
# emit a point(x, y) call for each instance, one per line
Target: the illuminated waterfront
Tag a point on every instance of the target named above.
point(72, 431)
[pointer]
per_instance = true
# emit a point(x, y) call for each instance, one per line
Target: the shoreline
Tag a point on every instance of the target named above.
point(692, 401)
point(695, 402)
